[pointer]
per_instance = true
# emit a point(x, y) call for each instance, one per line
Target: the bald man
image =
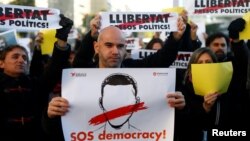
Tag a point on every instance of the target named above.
point(110, 47)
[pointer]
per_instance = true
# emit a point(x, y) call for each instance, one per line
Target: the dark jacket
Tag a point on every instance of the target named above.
point(58, 61)
point(218, 118)
point(21, 106)
point(163, 58)
point(186, 45)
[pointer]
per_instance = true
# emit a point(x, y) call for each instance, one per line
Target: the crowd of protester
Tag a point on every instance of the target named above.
point(30, 92)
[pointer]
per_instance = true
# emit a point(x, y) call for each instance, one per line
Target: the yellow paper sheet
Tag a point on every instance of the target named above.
point(212, 77)
point(244, 35)
point(48, 41)
point(177, 10)
point(174, 9)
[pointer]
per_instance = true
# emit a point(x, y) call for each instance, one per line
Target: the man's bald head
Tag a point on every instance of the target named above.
point(110, 30)
point(110, 47)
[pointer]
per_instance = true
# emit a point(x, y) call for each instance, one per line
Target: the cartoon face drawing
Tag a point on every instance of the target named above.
point(123, 87)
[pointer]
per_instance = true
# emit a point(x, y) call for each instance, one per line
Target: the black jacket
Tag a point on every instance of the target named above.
point(163, 58)
point(21, 105)
point(186, 45)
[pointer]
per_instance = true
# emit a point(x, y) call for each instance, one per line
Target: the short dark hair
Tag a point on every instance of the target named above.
point(214, 36)
point(119, 79)
point(6, 50)
point(153, 41)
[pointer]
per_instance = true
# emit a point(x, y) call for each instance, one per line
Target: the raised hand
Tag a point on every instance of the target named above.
point(95, 25)
point(235, 27)
point(181, 27)
point(194, 28)
point(63, 32)
point(39, 40)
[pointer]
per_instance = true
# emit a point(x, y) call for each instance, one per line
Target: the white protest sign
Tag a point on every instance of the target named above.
point(24, 18)
point(140, 22)
point(182, 60)
point(25, 42)
point(217, 7)
point(141, 53)
point(8, 38)
point(73, 34)
point(132, 43)
point(118, 104)
point(201, 31)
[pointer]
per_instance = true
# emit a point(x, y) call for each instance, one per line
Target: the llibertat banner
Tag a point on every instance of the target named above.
point(181, 61)
point(141, 53)
point(23, 18)
point(218, 7)
point(118, 104)
point(132, 43)
point(140, 22)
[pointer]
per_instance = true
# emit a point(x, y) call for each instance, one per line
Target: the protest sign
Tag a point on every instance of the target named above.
point(118, 104)
point(140, 22)
point(23, 18)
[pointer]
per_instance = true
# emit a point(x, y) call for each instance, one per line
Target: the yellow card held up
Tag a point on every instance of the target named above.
point(212, 77)
point(244, 35)
point(174, 9)
point(177, 10)
point(48, 41)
